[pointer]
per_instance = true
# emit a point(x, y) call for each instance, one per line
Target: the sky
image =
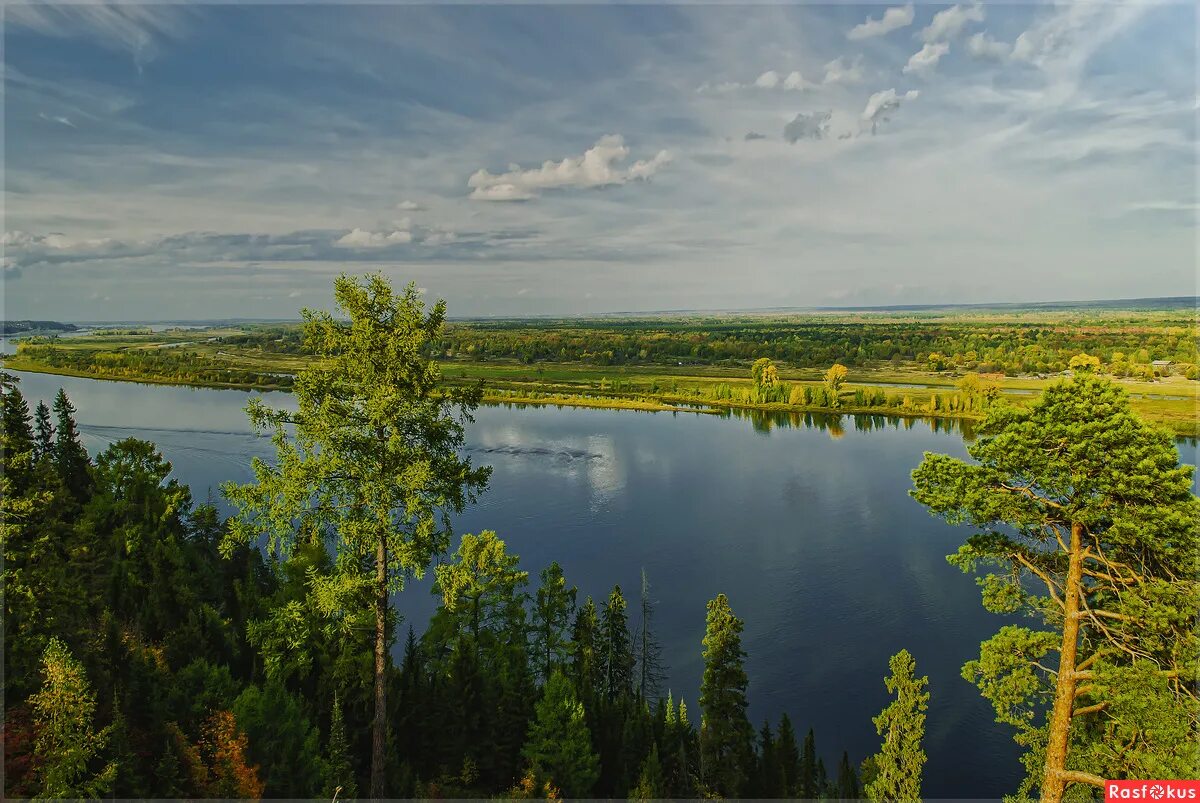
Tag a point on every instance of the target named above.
point(187, 162)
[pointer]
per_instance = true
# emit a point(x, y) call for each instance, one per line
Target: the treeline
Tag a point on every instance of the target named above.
point(1126, 347)
point(140, 663)
point(986, 347)
point(164, 364)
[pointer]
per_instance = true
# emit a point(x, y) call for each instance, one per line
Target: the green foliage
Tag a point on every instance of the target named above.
point(554, 610)
point(281, 741)
point(725, 735)
point(339, 769)
point(370, 459)
point(68, 748)
point(899, 764)
point(559, 744)
point(1090, 523)
point(616, 649)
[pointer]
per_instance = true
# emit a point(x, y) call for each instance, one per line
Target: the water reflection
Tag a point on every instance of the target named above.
point(834, 423)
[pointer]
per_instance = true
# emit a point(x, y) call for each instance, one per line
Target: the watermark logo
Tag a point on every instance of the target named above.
point(1152, 790)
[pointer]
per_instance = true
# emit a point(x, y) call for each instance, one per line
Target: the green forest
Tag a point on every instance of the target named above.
point(154, 649)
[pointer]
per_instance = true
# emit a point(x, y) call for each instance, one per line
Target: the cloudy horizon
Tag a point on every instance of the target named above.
point(205, 162)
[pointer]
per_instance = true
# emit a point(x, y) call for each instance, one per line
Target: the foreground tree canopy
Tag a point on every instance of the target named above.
point(1089, 523)
point(373, 464)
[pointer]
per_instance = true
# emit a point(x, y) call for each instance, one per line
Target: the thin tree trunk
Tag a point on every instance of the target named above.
point(1055, 781)
point(378, 727)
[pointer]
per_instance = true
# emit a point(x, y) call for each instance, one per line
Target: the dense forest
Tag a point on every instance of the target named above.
point(156, 650)
point(1126, 346)
point(141, 662)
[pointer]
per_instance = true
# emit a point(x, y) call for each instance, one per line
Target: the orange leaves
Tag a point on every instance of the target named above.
point(218, 765)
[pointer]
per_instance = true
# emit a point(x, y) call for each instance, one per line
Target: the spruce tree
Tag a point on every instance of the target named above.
point(586, 660)
point(1090, 522)
point(44, 444)
point(807, 786)
point(554, 609)
point(616, 648)
point(788, 750)
point(768, 780)
point(650, 785)
point(847, 783)
point(70, 458)
point(559, 746)
point(17, 443)
point(900, 761)
point(725, 734)
point(339, 769)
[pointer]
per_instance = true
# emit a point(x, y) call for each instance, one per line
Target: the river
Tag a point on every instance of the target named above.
point(807, 528)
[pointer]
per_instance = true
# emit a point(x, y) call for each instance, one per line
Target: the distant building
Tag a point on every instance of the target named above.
point(1162, 363)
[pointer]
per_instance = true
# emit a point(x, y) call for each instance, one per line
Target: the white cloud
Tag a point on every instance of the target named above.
point(926, 59)
point(771, 79)
point(409, 206)
point(768, 80)
point(885, 101)
point(597, 167)
point(808, 125)
point(795, 81)
point(892, 19)
point(982, 46)
point(843, 71)
point(361, 238)
point(949, 23)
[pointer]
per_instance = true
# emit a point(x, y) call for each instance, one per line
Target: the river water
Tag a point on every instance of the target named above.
point(805, 524)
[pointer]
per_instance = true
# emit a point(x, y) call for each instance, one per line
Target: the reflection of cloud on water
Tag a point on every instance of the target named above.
point(606, 475)
point(590, 459)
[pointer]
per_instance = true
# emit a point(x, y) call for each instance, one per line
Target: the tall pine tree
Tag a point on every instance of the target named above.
point(1090, 522)
point(726, 737)
point(900, 761)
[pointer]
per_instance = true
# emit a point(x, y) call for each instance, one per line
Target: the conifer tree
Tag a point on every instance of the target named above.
point(1078, 497)
point(725, 733)
point(586, 660)
point(559, 746)
point(554, 609)
point(650, 784)
point(617, 650)
point(788, 750)
point(67, 746)
point(847, 783)
point(807, 786)
point(768, 780)
point(17, 443)
point(44, 444)
point(900, 761)
point(339, 769)
point(70, 458)
point(370, 459)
